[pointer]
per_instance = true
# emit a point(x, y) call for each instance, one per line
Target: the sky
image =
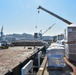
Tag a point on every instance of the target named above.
point(21, 16)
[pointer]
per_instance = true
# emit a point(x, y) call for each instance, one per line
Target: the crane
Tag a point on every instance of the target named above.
point(40, 33)
point(48, 29)
point(2, 33)
point(55, 15)
point(3, 42)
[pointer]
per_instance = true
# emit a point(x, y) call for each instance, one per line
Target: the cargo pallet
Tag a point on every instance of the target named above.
point(70, 69)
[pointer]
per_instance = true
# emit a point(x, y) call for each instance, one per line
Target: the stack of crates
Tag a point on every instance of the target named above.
point(55, 51)
point(55, 56)
point(56, 45)
point(70, 45)
point(56, 61)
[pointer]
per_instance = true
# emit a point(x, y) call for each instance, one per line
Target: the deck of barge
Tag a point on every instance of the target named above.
point(11, 57)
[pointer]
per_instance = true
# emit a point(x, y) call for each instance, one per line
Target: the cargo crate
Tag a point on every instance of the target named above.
point(55, 50)
point(56, 61)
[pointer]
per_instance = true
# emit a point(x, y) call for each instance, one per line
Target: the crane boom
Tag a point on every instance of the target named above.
point(49, 28)
point(55, 15)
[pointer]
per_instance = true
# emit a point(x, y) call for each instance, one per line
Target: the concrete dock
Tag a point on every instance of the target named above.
point(12, 57)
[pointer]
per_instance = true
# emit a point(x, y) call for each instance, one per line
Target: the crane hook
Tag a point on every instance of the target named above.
point(38, 12)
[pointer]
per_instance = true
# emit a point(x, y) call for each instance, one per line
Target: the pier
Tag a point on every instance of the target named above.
point(14, 58)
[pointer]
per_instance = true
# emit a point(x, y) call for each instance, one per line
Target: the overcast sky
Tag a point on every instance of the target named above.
point(21, 16)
